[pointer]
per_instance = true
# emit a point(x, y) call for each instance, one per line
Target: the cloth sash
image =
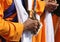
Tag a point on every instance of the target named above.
point(21, 13)
point(10, 11)
point(22, 17)
point(49, 27)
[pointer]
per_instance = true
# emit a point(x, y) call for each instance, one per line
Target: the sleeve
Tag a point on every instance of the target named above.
point(40, 6)
point(9, 2)
point(9, 28)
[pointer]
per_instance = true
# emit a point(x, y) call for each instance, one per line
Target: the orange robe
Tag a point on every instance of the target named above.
point(9, 30)
point(40, 9)
point(56, 28)
point(40, 37)
point(13, 31)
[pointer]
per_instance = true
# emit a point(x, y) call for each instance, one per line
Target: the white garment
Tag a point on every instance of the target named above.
point(49, 28)
point(21, 12)
point(30, 4)
point(22, 17)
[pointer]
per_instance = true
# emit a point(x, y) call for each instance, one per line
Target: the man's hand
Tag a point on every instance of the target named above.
point(51, 6)
point(31, 25)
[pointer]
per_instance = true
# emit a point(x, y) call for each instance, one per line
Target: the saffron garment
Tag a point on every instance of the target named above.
point(56, 21)
point(9, 30)
point(41, 37)
point(56, 27)
point(41, 10)
point(46, 33)
point(9, 13)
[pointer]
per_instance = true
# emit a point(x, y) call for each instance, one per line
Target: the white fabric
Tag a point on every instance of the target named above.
point(49, 28)
point(27, 37)
point(22, 17)
point(22, 14)
point(29, 4)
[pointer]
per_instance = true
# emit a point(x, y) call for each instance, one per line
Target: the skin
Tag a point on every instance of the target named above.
point(51, 6)
point(32, 25)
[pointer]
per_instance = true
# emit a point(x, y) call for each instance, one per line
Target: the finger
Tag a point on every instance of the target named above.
point(33, 31)
point(51, 8)
point(35, 27)
point(50, 0)
point(54, 1)
point(35, 22)
point(54, 4)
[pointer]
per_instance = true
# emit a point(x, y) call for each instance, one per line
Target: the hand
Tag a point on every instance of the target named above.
point(51, 6)
point(31, 25)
